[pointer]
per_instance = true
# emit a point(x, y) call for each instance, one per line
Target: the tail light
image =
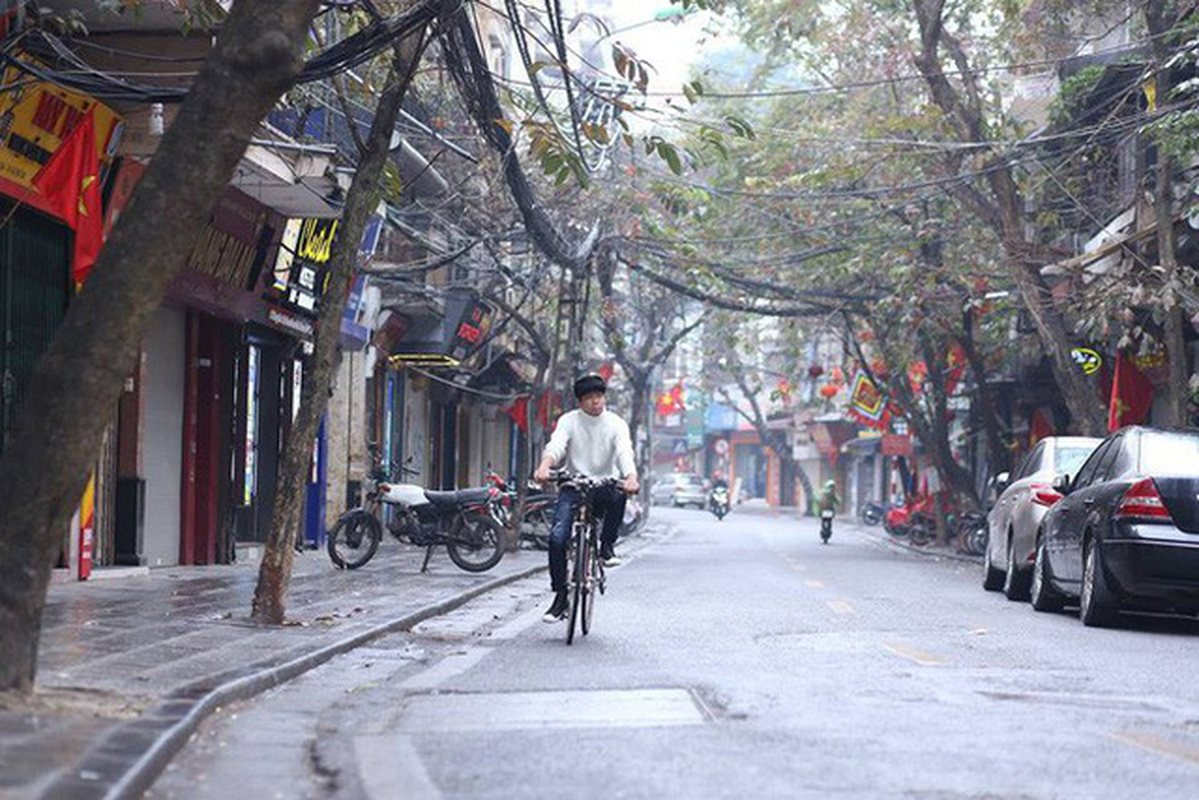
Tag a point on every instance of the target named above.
point(1142, 501)
point(1044, 495)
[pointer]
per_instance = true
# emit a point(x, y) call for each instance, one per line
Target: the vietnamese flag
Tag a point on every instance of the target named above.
point(70, 181)
point(519, 413)
point(1132, 395)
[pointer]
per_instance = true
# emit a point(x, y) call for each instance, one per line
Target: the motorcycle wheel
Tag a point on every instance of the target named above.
point(476, 543)
point(354, 539)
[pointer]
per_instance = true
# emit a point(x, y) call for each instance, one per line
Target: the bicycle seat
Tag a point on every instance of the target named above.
point(461, 497)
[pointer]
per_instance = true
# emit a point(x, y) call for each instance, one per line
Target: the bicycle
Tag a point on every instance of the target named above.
point(587, 569)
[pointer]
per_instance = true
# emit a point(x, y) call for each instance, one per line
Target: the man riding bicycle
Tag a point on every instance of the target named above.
point(593, 442)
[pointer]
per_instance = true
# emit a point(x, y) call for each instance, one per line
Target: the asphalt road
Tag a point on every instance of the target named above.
point(732, 659)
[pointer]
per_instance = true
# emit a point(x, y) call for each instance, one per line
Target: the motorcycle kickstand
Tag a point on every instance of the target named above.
point(428, 554)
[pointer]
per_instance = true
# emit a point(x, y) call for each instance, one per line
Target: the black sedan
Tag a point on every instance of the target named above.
point(1126, 533)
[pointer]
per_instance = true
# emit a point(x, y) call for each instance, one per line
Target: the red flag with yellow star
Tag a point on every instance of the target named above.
point(70, 181)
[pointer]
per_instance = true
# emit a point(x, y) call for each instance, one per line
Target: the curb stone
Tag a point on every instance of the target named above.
point(128, 762)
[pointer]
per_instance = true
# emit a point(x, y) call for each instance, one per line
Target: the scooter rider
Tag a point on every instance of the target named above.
point(593, 442)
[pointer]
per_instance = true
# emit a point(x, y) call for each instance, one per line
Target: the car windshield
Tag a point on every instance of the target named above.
point(1170, 453)
point(691, 480)
point(1067, 460)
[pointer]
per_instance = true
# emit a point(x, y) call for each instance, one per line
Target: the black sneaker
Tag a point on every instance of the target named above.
point(558, 608)
point(608, 556)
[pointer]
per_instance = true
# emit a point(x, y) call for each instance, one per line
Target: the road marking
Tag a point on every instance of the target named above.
point(451, 666)
point(912, 654)
point(840, 607)
point(1155, 744)
point(542, 710)
point(387, 762)
point(815, 584)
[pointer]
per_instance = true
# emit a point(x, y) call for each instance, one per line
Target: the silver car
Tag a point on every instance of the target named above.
point(680, 489)
point(1013, 521)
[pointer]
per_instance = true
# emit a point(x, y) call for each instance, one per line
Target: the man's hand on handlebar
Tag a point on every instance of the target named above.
point(542, 474)
point(631, 485)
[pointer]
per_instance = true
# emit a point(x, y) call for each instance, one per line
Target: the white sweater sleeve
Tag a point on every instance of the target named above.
point(556, 449)
point(626, 462)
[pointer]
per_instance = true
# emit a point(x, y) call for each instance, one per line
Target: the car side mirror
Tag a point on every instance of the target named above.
point(1001, 481)
point(1061, 484)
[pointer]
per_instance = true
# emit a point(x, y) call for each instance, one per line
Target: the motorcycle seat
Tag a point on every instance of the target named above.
point(461, 497)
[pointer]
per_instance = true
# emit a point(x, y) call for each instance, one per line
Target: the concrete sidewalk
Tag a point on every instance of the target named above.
point(128, 667)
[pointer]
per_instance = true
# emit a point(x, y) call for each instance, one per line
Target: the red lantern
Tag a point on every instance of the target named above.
point(866, 335)
point(815, 371)
point(828, 391)
point(879, 368)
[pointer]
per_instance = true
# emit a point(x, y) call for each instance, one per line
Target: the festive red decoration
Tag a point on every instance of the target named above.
point(1132, 395)
point(519, 412)
point(879, 368)
point(605, 372)
point(815, 371)
point(829, 391)
point(70, 180)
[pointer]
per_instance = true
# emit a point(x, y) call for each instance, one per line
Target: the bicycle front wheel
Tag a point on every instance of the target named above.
point(354, 539)
point(592, 584)
point(578, 581)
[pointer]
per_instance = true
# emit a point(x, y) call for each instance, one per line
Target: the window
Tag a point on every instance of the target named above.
point(1087, 473)
point(1104, 470)
point(1169, 453)
point(1067, 460)
point(1032, 462)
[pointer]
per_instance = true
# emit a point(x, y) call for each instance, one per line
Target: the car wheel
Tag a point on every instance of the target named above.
point(1016, 581)
point(1097, 607)
point(992, 578)
point(1042, 594)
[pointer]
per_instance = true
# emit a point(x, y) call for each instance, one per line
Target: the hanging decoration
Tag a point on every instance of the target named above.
point(828, 391)
point(867, 404)
point(815, 371)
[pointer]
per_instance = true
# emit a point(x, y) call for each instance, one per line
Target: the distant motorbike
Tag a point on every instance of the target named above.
point(826, 525)
point(718, 501)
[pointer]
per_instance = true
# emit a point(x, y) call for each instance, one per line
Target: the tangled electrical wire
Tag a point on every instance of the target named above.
point(64, 68)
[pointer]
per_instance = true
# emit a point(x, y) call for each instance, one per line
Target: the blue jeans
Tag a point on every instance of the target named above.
point(608, 503)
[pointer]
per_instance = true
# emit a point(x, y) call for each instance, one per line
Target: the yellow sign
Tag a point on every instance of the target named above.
point(34, 119)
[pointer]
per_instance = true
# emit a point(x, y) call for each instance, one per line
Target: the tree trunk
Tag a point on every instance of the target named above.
point(256, 57)
point(363, 197)
point(1178, 385)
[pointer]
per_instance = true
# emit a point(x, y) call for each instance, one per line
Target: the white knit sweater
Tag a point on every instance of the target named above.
point(598, 447)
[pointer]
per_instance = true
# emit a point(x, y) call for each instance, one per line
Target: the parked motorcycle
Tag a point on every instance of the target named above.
point(718, 501)
point(464, 521)
point(826, 525)
point(872, 513)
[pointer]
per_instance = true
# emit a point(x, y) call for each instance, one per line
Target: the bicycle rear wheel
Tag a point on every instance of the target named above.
point(579, 582)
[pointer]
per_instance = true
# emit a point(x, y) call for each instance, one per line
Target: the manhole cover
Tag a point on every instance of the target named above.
point(633, 708)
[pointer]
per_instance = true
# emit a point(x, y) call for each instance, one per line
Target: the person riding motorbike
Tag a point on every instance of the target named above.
point(595, 442)
point(718, 497)
point(828, 504)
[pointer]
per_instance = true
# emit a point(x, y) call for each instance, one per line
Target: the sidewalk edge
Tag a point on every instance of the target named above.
point(141, 775)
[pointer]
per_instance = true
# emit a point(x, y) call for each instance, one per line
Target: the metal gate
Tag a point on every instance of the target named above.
point(34, 291)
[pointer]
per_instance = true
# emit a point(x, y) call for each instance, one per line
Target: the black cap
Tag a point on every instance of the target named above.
point(586, 384)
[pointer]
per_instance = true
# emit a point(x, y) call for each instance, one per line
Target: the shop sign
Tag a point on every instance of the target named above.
point(299, 271)
point(1087, 359)
point(227, 247)
point(895, 444)
point(472, 329)
point(289, 321)
point(36, 116)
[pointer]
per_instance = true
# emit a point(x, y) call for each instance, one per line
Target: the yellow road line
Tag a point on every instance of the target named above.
point(1155, 744)
point(815, 584)
point(912, 654)
point(840, 607)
